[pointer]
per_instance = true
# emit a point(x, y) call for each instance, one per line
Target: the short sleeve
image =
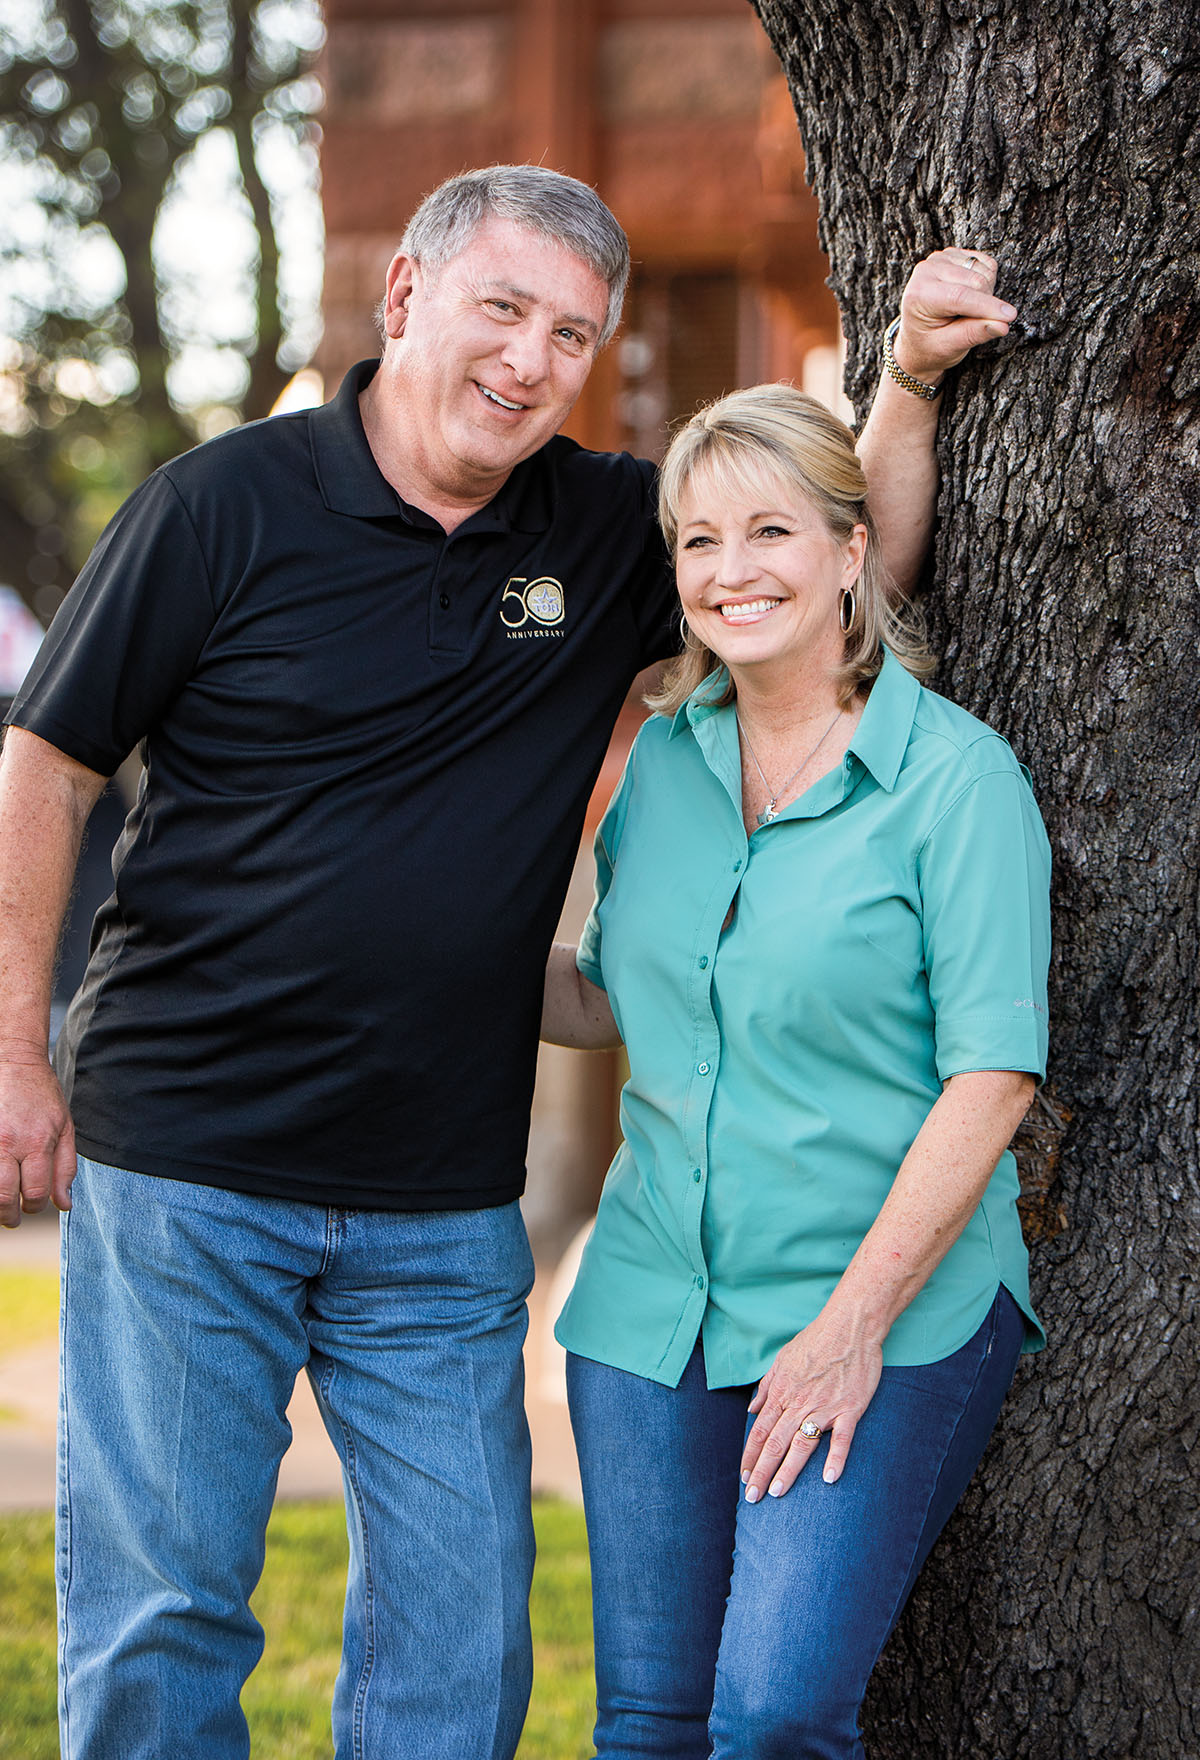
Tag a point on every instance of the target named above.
point(984, 877)
point(126, 638)
point(652, 583)
point(588, 956)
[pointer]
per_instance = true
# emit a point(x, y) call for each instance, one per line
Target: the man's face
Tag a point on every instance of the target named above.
point(492, 350)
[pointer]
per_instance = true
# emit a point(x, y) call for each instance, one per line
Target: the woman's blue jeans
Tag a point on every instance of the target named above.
point(187, 1314)
point(748, 1631)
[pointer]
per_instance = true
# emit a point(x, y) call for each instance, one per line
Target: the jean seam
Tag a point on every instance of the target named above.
point(63, 1512)
point(498, 1698)
point(368, 1661)
point(905, 1590)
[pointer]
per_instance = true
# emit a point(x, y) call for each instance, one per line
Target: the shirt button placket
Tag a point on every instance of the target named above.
point(705, 1068)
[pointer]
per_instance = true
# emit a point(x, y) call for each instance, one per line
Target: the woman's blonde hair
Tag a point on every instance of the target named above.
point(776, 434)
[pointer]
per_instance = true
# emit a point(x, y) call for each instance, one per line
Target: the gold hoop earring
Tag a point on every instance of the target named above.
point(847, 610)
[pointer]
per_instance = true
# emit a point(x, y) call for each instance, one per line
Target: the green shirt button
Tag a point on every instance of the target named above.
point(703, 1068)
point(697, 1175)
point(699, 1283)
point(703, 961)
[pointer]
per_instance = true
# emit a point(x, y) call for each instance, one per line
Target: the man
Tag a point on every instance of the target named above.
point(373, 654)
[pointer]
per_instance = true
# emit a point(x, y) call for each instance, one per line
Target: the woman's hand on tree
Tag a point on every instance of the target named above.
point(948, 308)
point(822, 1379)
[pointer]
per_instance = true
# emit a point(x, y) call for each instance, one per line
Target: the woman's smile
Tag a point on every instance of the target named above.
point(746, 610)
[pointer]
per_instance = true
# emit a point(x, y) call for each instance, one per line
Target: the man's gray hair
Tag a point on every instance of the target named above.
point(559, 208)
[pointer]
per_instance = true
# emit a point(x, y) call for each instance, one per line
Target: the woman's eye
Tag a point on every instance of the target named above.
point(772, 532)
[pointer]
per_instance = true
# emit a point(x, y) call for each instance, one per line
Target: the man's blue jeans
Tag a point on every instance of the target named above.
point(187, 1314)
point(748, 1631)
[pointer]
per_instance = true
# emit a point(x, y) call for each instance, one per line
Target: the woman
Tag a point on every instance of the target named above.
point(821, 929)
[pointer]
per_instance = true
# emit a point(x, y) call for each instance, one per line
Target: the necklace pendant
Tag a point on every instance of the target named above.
point(769, 812)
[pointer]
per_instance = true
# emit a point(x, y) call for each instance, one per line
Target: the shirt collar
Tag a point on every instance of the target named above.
point(881, 737)
point(351, 482)
point(704, 702)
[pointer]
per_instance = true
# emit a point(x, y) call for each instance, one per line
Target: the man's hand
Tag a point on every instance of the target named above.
point(37, 1138)
point(947, 309)
point(45, 799)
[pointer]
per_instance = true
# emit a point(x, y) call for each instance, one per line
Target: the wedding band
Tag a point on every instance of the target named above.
point(809, 1430)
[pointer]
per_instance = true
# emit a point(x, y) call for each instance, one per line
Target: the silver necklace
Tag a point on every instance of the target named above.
point(771, 810)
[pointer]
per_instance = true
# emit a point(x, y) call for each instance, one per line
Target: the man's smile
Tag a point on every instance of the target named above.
point(501, 402)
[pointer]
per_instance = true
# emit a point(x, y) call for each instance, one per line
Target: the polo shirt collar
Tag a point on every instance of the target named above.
point(351, 482)
point(349, 479)
point(881, 737)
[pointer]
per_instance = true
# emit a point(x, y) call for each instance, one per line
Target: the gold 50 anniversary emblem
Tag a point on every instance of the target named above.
point(540, 600)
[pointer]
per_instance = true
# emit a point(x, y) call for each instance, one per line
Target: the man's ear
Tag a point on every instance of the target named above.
point(398, 288)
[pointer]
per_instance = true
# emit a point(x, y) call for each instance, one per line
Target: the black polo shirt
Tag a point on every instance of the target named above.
point(369, 748)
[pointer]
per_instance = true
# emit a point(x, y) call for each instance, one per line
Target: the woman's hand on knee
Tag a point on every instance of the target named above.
point(815, 1386)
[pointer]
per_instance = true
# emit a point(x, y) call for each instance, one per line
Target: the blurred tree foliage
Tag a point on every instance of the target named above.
point(115, 352)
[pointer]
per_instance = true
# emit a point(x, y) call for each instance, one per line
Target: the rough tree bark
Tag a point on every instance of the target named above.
point(1057, 1618)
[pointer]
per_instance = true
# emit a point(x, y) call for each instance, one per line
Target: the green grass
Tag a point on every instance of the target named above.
point(563, 1708)
point(299, 1603)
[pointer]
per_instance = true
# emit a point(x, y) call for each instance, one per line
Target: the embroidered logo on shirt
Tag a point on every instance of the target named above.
point(532, 608)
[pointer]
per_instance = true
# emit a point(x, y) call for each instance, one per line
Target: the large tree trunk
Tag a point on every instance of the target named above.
point(1058, 1615)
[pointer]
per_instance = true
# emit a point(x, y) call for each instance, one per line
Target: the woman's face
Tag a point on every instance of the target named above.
point(760, 577)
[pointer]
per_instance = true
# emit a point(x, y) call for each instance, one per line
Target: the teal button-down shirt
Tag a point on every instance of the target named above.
point(792, 1002)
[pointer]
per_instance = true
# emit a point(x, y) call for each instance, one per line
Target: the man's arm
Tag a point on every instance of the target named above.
point(947, 309)
point(45, 799)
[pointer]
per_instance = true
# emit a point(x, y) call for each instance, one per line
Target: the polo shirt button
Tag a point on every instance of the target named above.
point(697, 1175)
point(444, 601)
point(703, 961)
point(702, 1068)
point(699, 1283)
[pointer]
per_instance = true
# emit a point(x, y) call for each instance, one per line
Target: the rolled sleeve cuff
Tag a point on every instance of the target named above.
point(980, 1042)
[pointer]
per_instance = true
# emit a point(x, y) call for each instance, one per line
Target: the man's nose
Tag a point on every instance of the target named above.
point(526, 353)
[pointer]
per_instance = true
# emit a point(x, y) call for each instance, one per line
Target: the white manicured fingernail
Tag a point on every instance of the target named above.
point(752, 1494)
point(830, 1475)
